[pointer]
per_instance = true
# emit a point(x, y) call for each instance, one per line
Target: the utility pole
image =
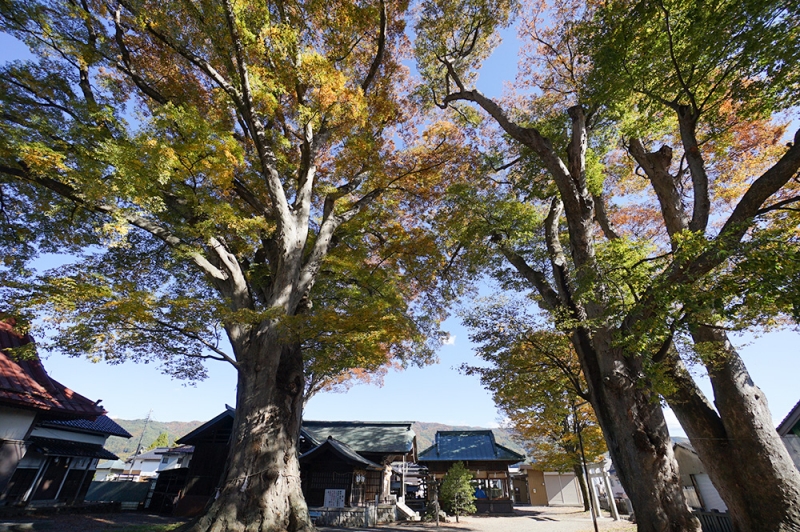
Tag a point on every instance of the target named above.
point(139, 445)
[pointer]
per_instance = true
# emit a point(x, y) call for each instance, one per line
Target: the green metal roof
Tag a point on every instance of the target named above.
point(380, 437)
point(463, 445)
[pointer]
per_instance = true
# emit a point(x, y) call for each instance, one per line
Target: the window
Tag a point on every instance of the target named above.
point(165, 460)
point(489, 488)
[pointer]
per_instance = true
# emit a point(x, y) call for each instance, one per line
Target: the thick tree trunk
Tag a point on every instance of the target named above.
point(739, 447)
point(636, 434)
point(578, 470)
point(261, 488)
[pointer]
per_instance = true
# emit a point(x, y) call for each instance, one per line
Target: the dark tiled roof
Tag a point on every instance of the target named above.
point(53, 447)
point(197, 434)
point(152, 454)
point(790, 421)
point(159, 452)
point(101, 425)
point(344, 451)
point(180, 449)
point(26, 384)
point(462, 445)
point(380, 437)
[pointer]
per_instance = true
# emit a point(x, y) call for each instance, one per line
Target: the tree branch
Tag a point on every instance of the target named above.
point(376, 62)
point(602, 219)
point(127, 65)
point(550, 298)
point(656, 167)
point(687, 125)
point(238, 290)
point(67, 192)
point(194, 336)
point(555, 251)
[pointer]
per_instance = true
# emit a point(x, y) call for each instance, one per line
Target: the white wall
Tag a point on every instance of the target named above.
point(14, 423)
point(147, 467)
point(792, 443)
point(59, 434)
point(172, 462)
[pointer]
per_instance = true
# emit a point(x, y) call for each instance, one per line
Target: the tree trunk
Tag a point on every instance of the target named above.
point(578, 470)
point(636, 434)
point(261, 488)
point(739, 447)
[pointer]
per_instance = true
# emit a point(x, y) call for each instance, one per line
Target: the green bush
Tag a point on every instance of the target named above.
point(456, 493)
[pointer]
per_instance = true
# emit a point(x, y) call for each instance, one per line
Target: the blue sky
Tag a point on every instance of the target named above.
point(435, 393)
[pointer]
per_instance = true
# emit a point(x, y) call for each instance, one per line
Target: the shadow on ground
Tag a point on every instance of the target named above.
point(128, 522)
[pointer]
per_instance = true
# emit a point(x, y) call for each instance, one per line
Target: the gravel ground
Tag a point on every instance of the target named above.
point(526, 519)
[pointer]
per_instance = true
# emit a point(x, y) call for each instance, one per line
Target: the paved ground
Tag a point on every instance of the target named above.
point(526, 519)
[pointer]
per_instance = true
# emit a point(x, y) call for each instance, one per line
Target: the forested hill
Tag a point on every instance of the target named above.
point(175, 429)
point(125, 447)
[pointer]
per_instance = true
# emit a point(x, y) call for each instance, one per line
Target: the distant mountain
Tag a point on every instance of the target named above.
point(124, 448)
point(175, 429)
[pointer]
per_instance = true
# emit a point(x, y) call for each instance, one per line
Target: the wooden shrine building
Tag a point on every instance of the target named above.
point(487, 460)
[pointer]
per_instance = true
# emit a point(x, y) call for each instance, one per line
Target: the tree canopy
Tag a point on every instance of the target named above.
point(537, 383)
point(635, 182)
point(248, 182)
point(162, 440)
point(153, 149)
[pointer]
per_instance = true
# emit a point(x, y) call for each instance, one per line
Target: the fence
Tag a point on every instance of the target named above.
point(130, 494)
point(362, 516)
point(714, 521)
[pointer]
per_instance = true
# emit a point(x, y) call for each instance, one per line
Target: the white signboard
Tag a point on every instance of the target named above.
point(334, 498)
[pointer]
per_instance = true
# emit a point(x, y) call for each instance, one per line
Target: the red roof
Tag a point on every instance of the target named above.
point(25, 383)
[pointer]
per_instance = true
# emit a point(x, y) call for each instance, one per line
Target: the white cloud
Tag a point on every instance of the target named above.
point(450, 340)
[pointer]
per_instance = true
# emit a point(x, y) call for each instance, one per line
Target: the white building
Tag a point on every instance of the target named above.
point(147, 465)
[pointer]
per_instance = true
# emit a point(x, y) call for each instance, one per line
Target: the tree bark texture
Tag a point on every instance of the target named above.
point(737, 443)
point(579, 474)
point(636, 434)
point(261, 488)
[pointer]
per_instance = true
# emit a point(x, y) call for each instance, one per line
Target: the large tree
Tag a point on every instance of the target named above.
point(536, 381)
point(665, 279)
point(162, 440)
point(224, 173)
